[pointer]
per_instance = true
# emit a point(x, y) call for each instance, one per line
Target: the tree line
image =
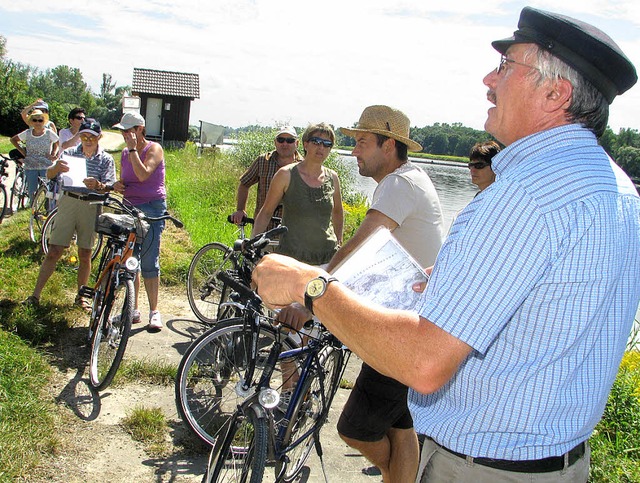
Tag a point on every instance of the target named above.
point(64, 88)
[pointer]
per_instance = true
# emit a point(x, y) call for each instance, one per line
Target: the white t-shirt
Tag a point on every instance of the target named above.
point(66, 134)
point(408, 197)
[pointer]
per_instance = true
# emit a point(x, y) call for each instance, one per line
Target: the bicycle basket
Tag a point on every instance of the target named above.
point(113, 224)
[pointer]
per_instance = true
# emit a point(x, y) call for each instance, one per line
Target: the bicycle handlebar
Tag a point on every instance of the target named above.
point(250, 221)
point(245, 292)
point(106, 199)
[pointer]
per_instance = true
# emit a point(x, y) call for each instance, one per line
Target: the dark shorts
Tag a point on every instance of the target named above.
point(376, 404)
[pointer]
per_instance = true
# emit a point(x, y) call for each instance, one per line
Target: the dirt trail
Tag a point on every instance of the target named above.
point(97, 449)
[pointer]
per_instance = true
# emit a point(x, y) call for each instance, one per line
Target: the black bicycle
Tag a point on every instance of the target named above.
point(205, 292)
point(206, 388)
point(263, 429)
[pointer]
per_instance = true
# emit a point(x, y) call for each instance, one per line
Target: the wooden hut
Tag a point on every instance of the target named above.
point(165, 102)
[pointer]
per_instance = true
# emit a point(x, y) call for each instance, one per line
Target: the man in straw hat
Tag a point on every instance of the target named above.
point(526, 316)
point(376, 420)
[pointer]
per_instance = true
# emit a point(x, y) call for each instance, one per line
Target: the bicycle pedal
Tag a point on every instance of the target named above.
point(86, 292)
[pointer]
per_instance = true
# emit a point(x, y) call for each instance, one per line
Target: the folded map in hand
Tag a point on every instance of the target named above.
point(382, 271)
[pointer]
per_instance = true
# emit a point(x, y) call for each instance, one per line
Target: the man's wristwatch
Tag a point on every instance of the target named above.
point(316, 287)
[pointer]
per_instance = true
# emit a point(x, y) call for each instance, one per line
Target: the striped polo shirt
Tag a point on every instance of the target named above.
point(539, 275)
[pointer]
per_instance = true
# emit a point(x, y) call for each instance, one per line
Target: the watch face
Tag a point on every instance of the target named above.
point(315, 287)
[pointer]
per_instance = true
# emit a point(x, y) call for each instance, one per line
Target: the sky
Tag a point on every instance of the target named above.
point(273, 62)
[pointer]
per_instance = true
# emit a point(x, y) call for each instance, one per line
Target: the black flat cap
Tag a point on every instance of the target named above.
point(582, 46)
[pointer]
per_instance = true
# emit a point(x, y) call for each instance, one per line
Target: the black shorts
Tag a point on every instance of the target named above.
point(376, 404)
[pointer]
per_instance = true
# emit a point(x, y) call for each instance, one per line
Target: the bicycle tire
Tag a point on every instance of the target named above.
point(110, 339)
point(46, 234)
point(242, 454)
point(311, 408)
point(39, 213)
point(205, 388)
point(19, 191)
point(3, 201)
point(204, 291)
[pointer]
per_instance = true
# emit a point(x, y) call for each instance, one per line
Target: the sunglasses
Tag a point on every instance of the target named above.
point(285, 140)
point(79, 118)
point(88, 139)
point(480, 164)
point(37, 120)
point(318, 141)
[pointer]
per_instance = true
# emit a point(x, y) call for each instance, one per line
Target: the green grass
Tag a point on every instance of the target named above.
point(145, 371)
point(149, 426)
point(27, 415)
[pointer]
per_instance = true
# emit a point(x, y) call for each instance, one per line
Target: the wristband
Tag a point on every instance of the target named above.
point(133, 150)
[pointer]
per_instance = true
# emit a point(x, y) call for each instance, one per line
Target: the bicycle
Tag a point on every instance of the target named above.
point(19, 194)
point(204, 291)
point(260, 430)
point(4, 165)
point(46, 235)
point(43, 203)
point(113, 293)
point(212, 365)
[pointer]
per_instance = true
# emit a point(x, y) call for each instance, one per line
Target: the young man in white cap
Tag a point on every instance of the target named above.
point(263, 169)
point(523, 324)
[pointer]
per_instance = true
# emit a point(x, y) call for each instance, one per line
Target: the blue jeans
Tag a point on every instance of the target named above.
point(31, 176)
point(150, 250)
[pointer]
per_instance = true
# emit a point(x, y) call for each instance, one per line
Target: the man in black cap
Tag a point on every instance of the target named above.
point(533, 294)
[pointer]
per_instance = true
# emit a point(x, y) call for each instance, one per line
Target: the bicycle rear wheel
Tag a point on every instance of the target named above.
point(46, 235)
point(310, 410)
point(19, 192)
point(242, 454)
point(204, 291)
point(39, 213)
point(110, 339)
point(3, 201)
point(207, 384)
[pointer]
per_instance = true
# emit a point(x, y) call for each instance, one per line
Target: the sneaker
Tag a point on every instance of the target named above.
point(155, 321)
point(136, 317)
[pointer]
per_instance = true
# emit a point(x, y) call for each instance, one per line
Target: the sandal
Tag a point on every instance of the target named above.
point(82, 303)
point(32, 301)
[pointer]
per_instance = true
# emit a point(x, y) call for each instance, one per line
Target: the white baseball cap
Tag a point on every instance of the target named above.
point(129, 120)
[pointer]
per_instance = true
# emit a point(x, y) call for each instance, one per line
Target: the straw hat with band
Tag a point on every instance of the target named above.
point(386, 121)
point(38, 113)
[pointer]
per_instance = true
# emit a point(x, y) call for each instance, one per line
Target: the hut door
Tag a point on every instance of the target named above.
point(153, 120)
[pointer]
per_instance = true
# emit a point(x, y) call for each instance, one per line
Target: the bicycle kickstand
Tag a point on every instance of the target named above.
point(318, 445)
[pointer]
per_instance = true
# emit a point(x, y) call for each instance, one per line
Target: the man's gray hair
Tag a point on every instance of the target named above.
point(588, 105)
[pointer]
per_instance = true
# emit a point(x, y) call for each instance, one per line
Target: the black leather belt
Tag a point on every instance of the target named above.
point(544, 465)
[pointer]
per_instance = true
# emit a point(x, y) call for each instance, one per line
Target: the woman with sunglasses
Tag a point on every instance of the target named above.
point(480, 163)
point(311, 200)
point(70, 137)
point(39, 146)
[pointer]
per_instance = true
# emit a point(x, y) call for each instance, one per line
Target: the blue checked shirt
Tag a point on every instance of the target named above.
point(540, 275)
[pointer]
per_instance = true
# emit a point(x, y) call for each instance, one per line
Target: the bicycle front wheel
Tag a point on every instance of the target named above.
point(242, 454)
point(309, 413)
point(208, 382)
point(39, 213)
point(204, 291)
point(3, 201)
point(19, 192)
point(110, 338)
